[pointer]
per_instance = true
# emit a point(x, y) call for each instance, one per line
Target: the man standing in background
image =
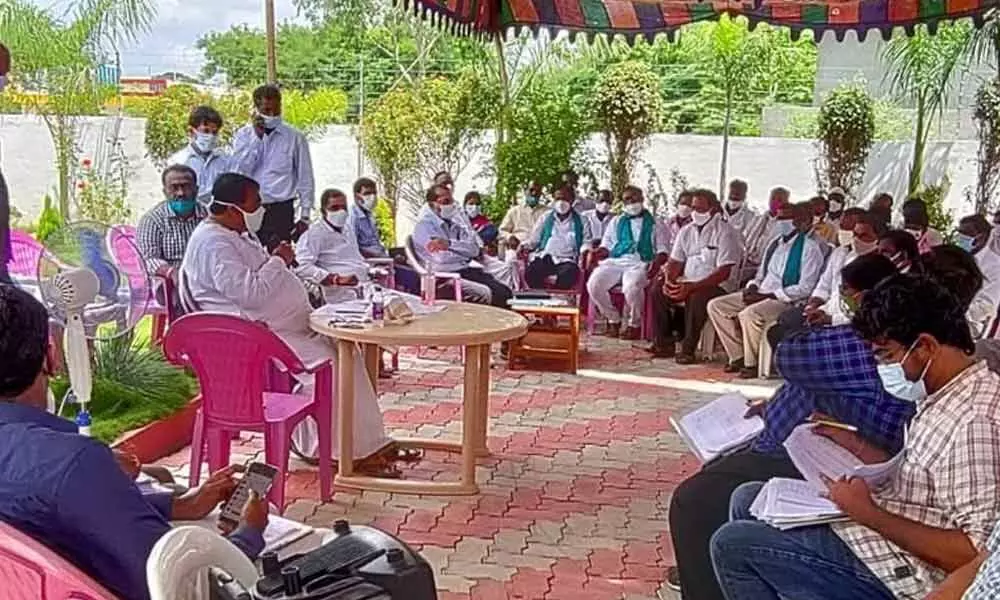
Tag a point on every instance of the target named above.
point(5, 248)
point(277, 157)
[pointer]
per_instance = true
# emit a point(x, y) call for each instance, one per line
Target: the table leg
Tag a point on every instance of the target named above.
point(371, 355)
point(345, 404)
point(574, 357)
point(471, 407)
point(483, 401)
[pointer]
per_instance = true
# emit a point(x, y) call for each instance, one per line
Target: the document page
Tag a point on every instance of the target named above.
point(719, 426)
point(814, 456)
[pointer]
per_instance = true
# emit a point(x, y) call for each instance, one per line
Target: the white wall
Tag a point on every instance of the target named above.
point(27, 160)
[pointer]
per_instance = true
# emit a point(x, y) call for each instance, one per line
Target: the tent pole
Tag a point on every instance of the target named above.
point(272, 59)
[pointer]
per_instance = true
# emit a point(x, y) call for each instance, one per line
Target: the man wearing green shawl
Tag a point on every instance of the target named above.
point(556, 242)
point(788, 272)
point(632, 250)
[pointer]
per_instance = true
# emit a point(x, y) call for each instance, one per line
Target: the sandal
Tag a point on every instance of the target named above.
point(376, 466)
point(406, 454)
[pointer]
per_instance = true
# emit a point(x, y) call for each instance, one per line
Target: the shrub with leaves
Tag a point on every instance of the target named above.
point(49, 220)
point(933, 197)
point(627, 108)
point(385, 222)
point(987, 118)
point(102, 190)
point(846, 131)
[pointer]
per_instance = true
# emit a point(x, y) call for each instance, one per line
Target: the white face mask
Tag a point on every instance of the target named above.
point(337, 218)
point(448, 211)
point(561, 206)
point(862, 247)
point(895, 382)
point(700, 218)
point(253, 220)
point(369, 201)
point(472, 210)
point(603, 208)
point(271, 121)
point(836, 207)
point(634, 209)
point(734, 205)
point(784, 227)
point(204, 142)
point(3, 82)
point(683, 211)
point(845, 237)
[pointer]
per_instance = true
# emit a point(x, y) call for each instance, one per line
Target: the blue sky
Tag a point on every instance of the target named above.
point(170, 45)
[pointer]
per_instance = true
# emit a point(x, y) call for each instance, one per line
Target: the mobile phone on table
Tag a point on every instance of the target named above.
point(258, 477)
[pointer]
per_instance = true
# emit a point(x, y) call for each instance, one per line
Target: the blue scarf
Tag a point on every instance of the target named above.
point(627, 245)
point(793, 266)
point(549, 223)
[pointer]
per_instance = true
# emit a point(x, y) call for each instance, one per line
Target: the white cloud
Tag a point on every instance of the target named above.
point(170, 44)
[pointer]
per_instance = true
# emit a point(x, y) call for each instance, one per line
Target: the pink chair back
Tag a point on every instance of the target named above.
point(121, 244)
point(232, 358)
point(26, 252)
point(31, 571)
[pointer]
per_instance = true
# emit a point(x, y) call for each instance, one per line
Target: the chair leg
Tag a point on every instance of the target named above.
point(277, 445)
point(324, 427)
point(218, 448)
point(197, 449)
point(159, 327)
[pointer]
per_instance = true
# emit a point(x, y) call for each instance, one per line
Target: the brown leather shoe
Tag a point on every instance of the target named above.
point(658, 352)
point(630, 333)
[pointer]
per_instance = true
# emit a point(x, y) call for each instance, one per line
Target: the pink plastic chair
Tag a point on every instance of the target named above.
point(31, 571)
point(26, 252)
point(234, 360)
point(122, 245)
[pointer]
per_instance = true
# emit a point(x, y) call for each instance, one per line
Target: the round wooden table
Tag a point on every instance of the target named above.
point(471, 326)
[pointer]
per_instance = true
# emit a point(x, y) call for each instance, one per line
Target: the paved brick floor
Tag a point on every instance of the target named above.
point(574, 499)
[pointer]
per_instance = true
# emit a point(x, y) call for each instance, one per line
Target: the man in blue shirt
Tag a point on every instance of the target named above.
point(68, 491)
point(446, 245)
point(363, 218)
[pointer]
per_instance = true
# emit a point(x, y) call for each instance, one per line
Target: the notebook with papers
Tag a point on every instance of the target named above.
point(719, 427)
point(790, 503)
point(816, 456)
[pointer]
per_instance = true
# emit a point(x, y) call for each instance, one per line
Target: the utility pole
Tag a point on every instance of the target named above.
point(361, 113)
point(272, 55)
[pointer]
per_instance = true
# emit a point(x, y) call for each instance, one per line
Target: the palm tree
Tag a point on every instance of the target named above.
point(923, 69)
point(55, 56)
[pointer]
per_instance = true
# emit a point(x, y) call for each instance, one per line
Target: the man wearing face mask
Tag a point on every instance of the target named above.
point(443, 241)
point(6, 252)
point(557, 241)
point(761, 234)
point(163, 232)
point(277, 155)
point(631, 254)
point(363, 219)
point(973, 236)
point(916, 222)
point(822, 228)
point(597, 219)
point(735, 211)
point(941, 503)
point(837, 203)
point(328, 253)
point(789, 271)
point(203, 153)
point(520, 219)
point(225, 269)
point(682, 216)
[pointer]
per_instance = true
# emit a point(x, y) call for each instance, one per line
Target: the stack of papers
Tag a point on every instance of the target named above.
point(719, 427)
point(816, 456)
point(281, 532)
point(790, 503)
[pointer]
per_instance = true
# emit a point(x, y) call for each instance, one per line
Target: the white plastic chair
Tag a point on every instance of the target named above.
point(177, 568)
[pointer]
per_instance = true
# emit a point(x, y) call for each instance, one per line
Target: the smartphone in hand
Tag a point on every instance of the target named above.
point(259, 477)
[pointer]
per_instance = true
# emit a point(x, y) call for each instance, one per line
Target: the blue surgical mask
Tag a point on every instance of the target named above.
point(896, 383)
point(965, 242)
point(531, 201)
point(182, 207)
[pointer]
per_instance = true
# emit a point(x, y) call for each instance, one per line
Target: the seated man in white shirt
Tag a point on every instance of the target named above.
point(701, 267)
point(736, 212)
point(598, 220)
point(631, 253)
point(973, 237)
point(520, 219)
point(225, 269)
point(444, 242)
point(556, 242)
point(858, 236)
point(328, 253)
point(203, 153)
point(790, 268)
point(759, 235)
point(682, 216)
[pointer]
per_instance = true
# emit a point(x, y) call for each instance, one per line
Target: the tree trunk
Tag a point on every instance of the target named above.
point(919, 144)
point(725, 143)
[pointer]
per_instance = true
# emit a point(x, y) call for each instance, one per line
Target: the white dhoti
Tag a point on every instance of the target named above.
point(369, 429)
point(503, 270)
point(632, 277)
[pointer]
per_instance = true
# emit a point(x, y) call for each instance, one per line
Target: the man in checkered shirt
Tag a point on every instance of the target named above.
point(937, 511)
point(163, 232)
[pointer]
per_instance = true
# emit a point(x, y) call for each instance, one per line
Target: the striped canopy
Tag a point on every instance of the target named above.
point(648, 18)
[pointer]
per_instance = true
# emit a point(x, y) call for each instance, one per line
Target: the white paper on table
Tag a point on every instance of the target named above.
point(718, 427)
point(816, 456)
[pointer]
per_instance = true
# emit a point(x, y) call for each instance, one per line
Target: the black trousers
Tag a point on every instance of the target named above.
point(501, 293)
point(791, 321)
point(685, 321)
point(700, 506)
point(543, 267)
point(279, 220)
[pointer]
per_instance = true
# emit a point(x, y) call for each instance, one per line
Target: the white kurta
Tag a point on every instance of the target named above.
point(231, 273)
point(323, 251)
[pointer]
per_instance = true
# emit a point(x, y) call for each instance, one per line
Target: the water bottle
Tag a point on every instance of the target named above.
point(378, 306)
point(427, 287)
point(83, 422)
